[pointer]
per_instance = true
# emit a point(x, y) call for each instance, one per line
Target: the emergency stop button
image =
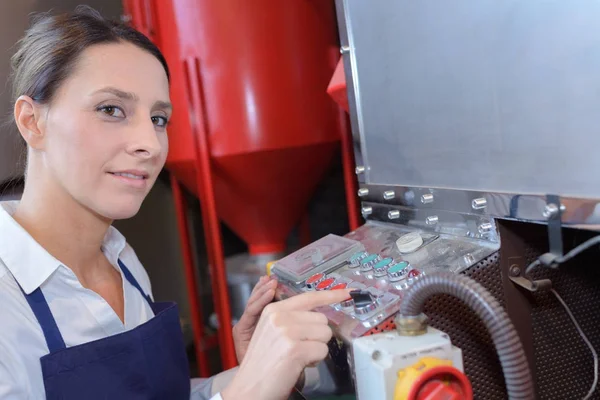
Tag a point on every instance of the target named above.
point(432, 379)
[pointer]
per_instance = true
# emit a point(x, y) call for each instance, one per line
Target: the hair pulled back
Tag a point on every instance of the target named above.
point(48, 52)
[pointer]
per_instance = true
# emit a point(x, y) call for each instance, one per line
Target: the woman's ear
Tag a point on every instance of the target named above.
point(29, 119)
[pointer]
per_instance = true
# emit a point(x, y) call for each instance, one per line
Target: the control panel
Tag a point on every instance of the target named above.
point(378, 273)
point(379, 260)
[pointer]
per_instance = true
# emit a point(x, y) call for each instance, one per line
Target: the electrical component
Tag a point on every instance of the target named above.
point(409, 242)
point(432, 379)
point(379, 358)
point(585, 339)
point(552, 261)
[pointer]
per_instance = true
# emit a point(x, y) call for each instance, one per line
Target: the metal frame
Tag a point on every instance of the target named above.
point(572, 212)
point(190, 278)
point(354, 118)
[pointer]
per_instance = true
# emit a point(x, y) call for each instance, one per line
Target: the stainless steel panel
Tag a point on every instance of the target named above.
point(486, 95)
point(425, 202)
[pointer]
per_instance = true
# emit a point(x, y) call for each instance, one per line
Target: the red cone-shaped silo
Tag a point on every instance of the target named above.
point(253, 129)
point(261, 68)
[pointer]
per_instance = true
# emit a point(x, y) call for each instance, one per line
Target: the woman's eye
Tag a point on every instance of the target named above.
point(112, 111)
point(159, 121)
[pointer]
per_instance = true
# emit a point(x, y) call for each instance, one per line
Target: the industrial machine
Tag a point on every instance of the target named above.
point(475, 127)
point(474, 130)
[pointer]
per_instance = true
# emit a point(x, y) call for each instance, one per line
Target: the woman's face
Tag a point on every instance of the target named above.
point(105, 129)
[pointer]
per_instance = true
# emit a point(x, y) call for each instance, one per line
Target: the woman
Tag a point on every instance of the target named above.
point(77, 317)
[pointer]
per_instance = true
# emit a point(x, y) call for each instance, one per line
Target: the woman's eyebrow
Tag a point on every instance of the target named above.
point(132, 97)
point(118, 92)
point(163, 105)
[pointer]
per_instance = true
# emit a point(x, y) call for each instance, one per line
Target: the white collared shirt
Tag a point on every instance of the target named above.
point(81, 314)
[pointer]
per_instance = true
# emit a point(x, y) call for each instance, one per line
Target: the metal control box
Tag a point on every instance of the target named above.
point(378, 358)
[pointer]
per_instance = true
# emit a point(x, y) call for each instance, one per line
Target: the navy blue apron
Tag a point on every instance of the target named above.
point(147, 362)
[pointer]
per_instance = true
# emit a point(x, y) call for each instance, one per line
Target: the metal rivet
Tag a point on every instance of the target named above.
point(394, 214)
point(485, 227)
point(478, 204)
point(367, 210)
point(469, 259)
point(432, 220)
point(515, 270)
point(344, 49)
point(550, 210)
point(388, 195)
point(427, 198)
point(360, 170)
point(362, 192)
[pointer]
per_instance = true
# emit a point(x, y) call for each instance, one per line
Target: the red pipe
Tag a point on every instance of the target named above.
point(349, 171)
point(190, 278)
point(210, 220)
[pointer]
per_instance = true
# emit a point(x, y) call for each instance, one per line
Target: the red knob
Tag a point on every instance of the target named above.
point(441, 383)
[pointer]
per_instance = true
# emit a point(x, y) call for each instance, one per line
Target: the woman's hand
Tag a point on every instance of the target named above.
point(288, 338)
point(261, 296)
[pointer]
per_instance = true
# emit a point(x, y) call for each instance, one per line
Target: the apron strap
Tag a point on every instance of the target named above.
point(42, 312)
point(133, 281)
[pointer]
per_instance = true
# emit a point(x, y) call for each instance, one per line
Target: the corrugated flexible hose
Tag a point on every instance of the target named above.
point(516, 370)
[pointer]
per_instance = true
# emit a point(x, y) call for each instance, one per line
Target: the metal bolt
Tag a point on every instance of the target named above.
point(359, 170)
point(550, 211)
point(515, 270)
point(367, 210)
point(427, 198)
point(485, 227)
point(344, 49)
point(388, 195)
point(394, 214)
point(478, 204)
point(362, 192)
point(432, 220)
point(469, 259)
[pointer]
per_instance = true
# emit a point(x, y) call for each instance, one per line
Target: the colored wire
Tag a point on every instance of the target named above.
point(585, 339)
point(562, 259)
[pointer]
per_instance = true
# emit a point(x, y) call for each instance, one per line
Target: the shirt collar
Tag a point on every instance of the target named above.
point(29, 263)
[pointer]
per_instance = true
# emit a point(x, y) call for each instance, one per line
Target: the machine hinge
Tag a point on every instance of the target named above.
point(553, 212)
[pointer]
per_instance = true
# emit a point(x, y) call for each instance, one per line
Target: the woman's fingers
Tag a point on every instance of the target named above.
point(258, 292)
point(303, 318)
point(310, 300)
point(260, 300)
point(261, 282)
point(311, 333)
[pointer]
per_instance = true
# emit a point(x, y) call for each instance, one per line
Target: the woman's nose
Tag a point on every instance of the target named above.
point(145, 143)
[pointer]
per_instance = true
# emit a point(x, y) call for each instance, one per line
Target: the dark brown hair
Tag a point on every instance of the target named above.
point(49, 50)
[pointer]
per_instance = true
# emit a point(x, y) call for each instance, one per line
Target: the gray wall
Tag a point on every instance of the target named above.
point(13, 22)
point(14, 19)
